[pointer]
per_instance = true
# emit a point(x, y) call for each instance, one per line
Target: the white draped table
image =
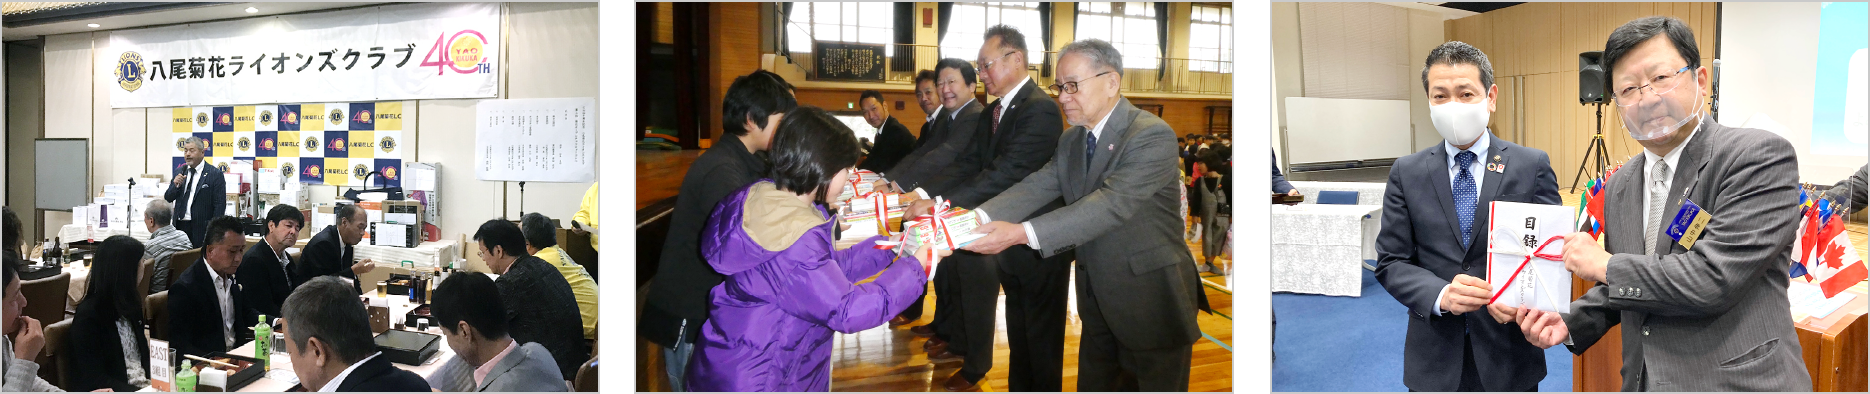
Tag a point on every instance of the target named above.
point(1319, 249)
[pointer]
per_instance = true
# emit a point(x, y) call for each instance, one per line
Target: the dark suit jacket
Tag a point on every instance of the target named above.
point(541, 308)
point(326, 254)
point(1717, 312)
point(1028, 135)
point(893, 142)
point(1279, 180)
point(952, 134)
point(1123, 217)
point(1852, 192)
point(379, 375)
point(263, 281)
point(97, 353)
point(1419, 252)
point(210, 201)
point(678, 296)
point(195, 314)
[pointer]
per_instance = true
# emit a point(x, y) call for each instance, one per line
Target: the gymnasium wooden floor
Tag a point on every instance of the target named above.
point(891, 359)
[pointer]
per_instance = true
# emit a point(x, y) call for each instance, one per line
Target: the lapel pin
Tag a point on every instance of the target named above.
point(1111, 147)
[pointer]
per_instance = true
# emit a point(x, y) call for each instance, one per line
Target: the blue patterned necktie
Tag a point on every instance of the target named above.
point(1090, 148)
point(1464, 196)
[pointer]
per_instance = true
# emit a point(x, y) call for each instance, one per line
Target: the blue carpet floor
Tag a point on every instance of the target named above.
point(1330, 343)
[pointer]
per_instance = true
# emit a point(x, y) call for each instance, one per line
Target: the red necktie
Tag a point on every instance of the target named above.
point(996, 117)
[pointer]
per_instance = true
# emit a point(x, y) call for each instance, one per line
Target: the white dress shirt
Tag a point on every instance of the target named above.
point(932, 114)
point(224, 290)
point(332, 385)
point(188, 190)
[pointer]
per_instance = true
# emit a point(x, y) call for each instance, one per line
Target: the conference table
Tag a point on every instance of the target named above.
point(1320, 248)
point(281, 377)
point(1368, 193)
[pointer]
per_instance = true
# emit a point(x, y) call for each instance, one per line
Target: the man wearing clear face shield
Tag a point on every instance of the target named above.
point(1702, 309)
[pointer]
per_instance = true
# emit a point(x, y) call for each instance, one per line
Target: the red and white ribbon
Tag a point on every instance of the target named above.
point(1540, 253)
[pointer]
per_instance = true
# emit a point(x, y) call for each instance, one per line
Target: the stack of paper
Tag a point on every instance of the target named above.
point(1524, 245)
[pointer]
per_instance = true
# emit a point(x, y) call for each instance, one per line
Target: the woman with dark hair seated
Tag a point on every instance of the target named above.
point(108, 348)
point(787, 286)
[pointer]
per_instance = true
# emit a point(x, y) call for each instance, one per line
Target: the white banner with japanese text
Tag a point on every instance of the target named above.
point(394, 52)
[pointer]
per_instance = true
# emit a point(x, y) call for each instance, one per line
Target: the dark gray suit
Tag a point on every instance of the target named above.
point(939, 145)
point(1137, 289)
point(1419, 252)
point(1714, 318)
point(993, 160)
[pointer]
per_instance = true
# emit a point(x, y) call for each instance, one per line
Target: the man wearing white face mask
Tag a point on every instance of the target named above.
point(1701, 309)
point(1431, 251)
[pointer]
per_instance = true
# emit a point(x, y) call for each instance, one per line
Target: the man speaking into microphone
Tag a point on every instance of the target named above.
point(199, 192)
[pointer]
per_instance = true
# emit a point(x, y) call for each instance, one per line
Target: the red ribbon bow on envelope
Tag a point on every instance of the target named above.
point(1540, 253)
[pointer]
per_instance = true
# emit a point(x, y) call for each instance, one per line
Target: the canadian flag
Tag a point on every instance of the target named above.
point(1837, 266)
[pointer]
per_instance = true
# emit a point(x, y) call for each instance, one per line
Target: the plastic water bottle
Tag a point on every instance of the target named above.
point(263, 343)
point(185, 380)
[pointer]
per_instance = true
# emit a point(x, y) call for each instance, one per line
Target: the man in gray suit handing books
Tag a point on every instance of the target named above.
point(1702, 309)
point(1116, 171)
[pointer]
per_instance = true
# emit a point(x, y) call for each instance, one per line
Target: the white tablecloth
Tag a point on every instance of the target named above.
point(78, 232)
point(1318, 249)
point(1368, 193)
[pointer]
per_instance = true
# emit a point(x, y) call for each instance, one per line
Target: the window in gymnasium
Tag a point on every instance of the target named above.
point(1211, 38)
point(1131, 27)
point(971, 20)
point(869, 23)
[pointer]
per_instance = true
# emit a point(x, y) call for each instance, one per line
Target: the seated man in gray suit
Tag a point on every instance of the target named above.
point(470, 312)
point(1115, 170)
point(1432, 250)
point(1709, 313)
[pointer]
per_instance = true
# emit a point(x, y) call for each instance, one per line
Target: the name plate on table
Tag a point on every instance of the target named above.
point(1525, 265)
point(846, 61)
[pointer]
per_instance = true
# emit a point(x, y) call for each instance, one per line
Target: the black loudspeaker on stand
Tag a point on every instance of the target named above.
point(1591, 82)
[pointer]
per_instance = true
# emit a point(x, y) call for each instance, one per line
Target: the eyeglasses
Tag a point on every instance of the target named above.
point(1072, 87)
point(1663, 84)
point(989, 64)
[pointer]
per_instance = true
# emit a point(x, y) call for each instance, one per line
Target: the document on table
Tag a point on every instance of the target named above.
point(1808, 300)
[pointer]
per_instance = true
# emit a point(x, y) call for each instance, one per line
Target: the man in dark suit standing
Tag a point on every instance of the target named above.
point(1115, 171)
point(893, 140)
point(332, 250)
point(199, 192)
point(328, 339)
point(931, 105)
point(1432, 249)
point(262, 275)
point(952, 135)
point(1708, 312)
point(1018, 134)
point(207, 313)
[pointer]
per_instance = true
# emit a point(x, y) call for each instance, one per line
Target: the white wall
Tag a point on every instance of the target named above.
point(1767, 67)
point(551, 51)
point(1425, 32)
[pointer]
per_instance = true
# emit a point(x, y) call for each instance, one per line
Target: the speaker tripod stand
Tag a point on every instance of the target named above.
point(1593, 151)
